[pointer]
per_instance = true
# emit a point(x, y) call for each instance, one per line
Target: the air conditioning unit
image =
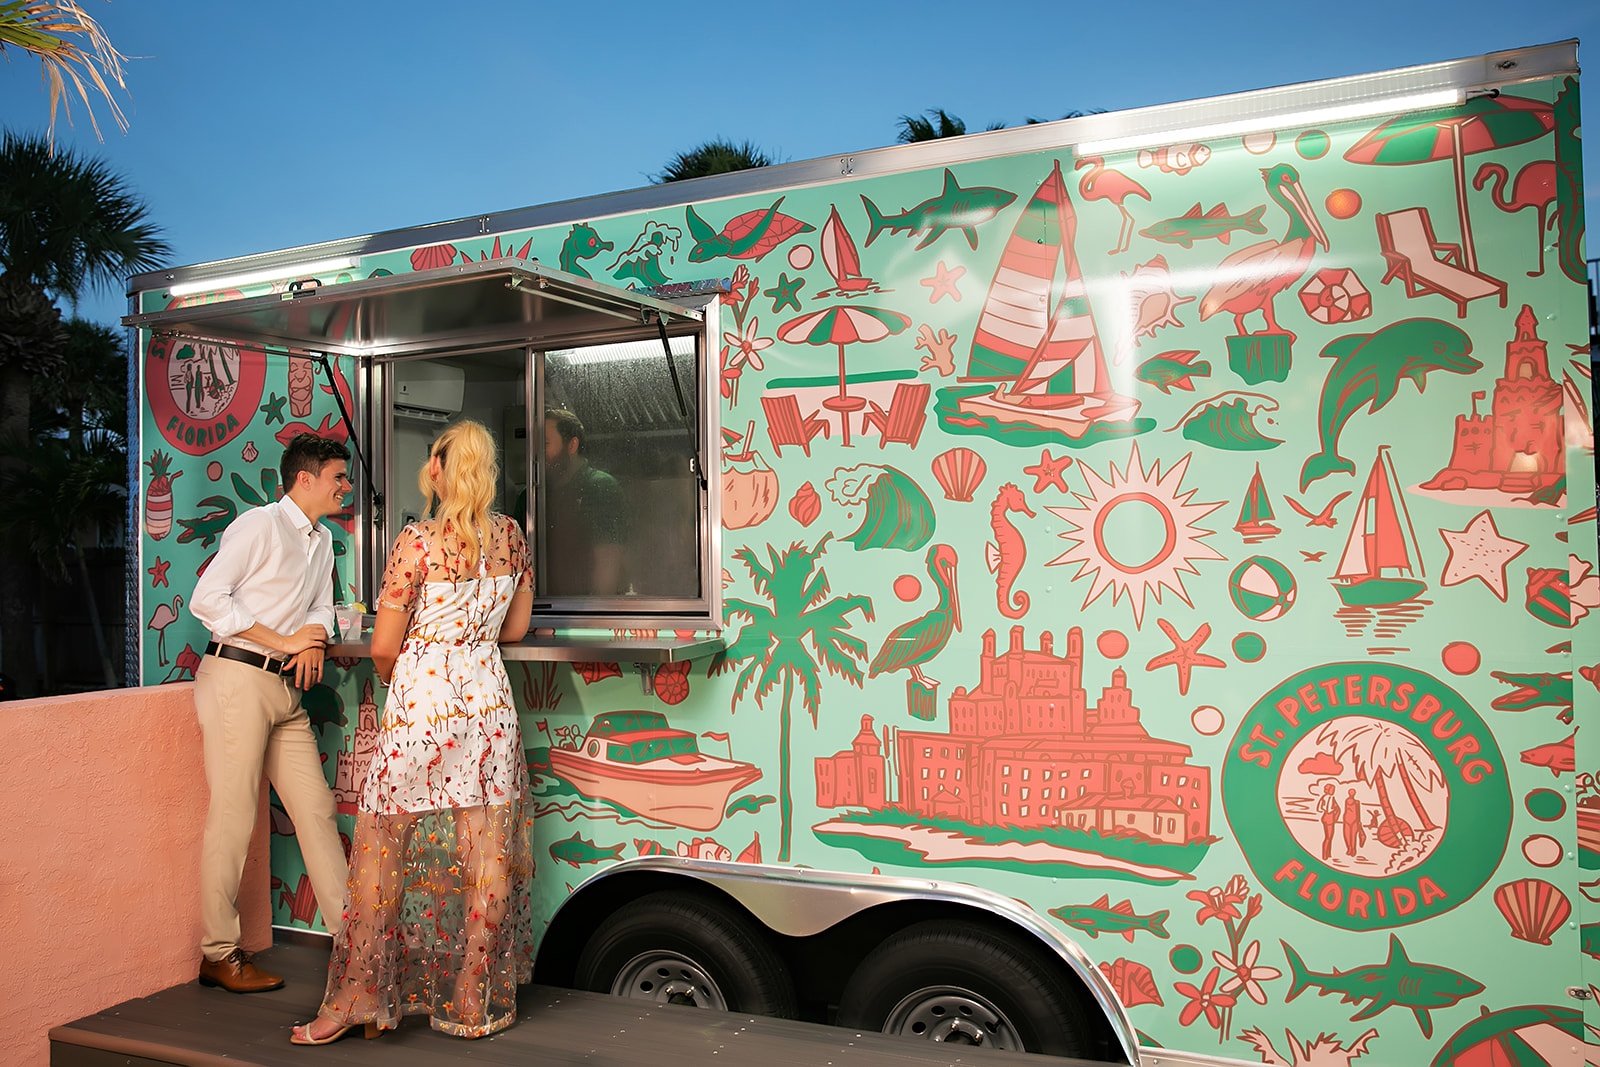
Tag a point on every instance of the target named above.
point(426, 390)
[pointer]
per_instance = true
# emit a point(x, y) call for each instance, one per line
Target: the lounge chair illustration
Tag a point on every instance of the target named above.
point(786, 426)
point(903, 421)
point(1427, 265)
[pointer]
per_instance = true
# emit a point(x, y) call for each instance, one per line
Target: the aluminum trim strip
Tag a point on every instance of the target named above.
point(1496, 69)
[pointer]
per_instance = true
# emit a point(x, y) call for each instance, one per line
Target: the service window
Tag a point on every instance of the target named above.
point(618, 521)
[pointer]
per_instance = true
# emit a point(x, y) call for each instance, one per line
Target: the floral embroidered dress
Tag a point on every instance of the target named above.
point(436, 915)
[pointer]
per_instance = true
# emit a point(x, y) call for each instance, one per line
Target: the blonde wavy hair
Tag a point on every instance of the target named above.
point(468, 471)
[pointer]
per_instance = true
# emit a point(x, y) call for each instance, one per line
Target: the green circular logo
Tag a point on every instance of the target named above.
point(1367, 795)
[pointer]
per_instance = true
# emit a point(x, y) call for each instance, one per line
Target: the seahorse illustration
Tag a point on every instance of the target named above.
point(1007, 552)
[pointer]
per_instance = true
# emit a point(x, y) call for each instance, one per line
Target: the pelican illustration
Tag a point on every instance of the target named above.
point(1253, 277)
point(918, 641)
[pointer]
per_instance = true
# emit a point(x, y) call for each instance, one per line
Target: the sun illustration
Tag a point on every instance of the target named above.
point(1135, 533)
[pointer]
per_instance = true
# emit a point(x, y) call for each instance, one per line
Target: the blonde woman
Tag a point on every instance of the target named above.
point(436, 913)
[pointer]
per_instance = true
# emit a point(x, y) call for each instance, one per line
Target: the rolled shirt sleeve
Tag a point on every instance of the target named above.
point(240, 552)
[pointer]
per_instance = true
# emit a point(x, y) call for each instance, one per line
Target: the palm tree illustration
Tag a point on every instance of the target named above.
point(1380, 752)
point(786, 638)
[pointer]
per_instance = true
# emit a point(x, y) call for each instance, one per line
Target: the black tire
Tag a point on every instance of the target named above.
point(956, 978)
point(669, 941)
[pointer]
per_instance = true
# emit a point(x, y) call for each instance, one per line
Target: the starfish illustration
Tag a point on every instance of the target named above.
point(1048, 471)
point(158, 572)
point(273, 408)
point(1185, 654)
point(785, 293)
point(943, 283)
point(1480, 552)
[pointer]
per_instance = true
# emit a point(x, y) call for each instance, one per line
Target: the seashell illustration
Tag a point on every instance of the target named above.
point(1133, 982)
point(960, 472)
point(805, 505)
point(1534, 908)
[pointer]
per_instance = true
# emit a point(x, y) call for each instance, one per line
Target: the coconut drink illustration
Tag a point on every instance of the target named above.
point(158, 498)
point(749, 485)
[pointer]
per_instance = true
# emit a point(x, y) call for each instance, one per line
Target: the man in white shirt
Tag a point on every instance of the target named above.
point(267, 598)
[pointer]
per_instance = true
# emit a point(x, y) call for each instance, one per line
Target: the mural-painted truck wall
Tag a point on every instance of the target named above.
point(1194, 543)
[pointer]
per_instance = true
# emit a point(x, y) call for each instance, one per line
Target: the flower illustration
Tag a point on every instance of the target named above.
point(1246, 973)
point(1205, 1000)
point(741, 281)
point(1213, 905)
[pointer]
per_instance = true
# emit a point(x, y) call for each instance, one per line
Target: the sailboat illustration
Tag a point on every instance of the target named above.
point(839, 255)
point(1379, 543)
point(1255, 513)
point(1036, 334)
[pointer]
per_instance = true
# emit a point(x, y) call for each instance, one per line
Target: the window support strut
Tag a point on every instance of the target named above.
point(683, 408)
point(355, 442)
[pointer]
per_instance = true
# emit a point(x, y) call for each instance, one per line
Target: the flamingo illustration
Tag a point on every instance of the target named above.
point(1253, 277)
point(1534, 186)
point(914, 643)
point(1103, 184)
point(164, 616)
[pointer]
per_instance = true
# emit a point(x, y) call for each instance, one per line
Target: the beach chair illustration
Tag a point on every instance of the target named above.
point(786, 426)
point(1427, 265)
point(904, 419)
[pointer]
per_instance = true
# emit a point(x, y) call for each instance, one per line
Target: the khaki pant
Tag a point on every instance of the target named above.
point(251, 722)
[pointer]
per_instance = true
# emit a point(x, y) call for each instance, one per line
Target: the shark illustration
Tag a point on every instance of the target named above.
point(954, 208)
point(1367, 371)
point(1397, 982)
point(1103, 917)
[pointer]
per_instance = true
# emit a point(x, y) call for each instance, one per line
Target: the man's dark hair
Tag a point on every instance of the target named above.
point(568, 425)
point(308, 452)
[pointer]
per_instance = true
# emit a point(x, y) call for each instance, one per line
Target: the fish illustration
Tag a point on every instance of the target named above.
point(1103, 917)
point(954, 208)
point(1535, 690)
point(580, 850)
point(1217, 223)
point(1557, 755)
point(1173, 370)
point(1175, 158)
point(1367, 371)
point(583, 242)
point(1397, 982)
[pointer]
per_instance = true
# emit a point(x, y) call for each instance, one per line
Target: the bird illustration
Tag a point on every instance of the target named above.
point(918, 641)
point(1313, 557)
point(1253, 277)
point(1103, 184)
point(164, 616)
point(1321, 518)
point(1534, 186)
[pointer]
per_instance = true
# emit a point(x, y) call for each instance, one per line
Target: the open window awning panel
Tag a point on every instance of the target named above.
point(496, 301)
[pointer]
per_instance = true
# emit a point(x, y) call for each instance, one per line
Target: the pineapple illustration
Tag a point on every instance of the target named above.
point(158, 497)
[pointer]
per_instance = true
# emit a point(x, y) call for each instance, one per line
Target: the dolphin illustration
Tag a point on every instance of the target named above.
point(1367, 371)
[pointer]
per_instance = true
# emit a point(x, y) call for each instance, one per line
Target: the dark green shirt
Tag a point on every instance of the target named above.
point(583, 511)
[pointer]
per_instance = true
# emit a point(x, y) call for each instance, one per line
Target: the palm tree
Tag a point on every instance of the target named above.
point(1381, 751)
point(720, 156)
point(773, 644)
point(67, 225)
point(937, 123)
point(71, 47)
point(1033, 120)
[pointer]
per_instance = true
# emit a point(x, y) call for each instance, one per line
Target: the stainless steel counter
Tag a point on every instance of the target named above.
point(569, 649)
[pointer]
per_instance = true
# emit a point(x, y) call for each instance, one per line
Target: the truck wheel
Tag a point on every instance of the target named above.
point(674, 949)
point(964, 984)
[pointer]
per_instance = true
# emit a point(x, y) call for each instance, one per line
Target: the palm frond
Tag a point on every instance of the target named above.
point(72, 49)
point(720, 156)
point(760, 575)
point(836, 653)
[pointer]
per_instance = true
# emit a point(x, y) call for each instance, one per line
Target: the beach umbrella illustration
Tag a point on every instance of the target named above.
point(1481, 124)
point(840, 326)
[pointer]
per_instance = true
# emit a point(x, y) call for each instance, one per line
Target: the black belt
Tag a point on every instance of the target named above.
point(271, 664)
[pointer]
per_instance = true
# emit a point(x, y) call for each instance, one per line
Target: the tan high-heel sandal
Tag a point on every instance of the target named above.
point(301, 1033)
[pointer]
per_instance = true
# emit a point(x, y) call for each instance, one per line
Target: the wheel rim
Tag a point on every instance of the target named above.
point(954, 1016)
point(667, 978)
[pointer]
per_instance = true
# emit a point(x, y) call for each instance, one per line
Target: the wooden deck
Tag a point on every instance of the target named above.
point(200, 1027)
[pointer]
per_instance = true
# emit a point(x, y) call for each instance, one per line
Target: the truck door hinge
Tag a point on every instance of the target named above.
point(1578, 992)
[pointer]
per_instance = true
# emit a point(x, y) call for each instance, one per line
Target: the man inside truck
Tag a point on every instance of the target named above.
point(584, 520)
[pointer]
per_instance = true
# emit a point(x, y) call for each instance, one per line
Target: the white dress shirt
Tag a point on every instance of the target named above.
point(275, 567)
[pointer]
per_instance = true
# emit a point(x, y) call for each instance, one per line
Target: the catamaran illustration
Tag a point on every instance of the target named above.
point(1378, 543)
point(1036, 334)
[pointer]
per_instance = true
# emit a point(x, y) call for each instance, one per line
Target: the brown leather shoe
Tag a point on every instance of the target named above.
point(235, 973)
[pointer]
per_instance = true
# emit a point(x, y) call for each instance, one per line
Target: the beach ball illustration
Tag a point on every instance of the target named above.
point(1261, 588)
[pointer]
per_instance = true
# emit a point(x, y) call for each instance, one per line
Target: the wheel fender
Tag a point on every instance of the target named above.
point(803, 902)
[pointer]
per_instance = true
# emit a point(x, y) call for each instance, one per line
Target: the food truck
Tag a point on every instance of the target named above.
point(1117, 587)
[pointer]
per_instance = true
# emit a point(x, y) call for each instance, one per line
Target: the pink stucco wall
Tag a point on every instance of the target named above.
point(104, 800)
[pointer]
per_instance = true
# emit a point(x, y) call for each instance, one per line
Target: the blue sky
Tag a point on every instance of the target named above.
point(257, 126)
